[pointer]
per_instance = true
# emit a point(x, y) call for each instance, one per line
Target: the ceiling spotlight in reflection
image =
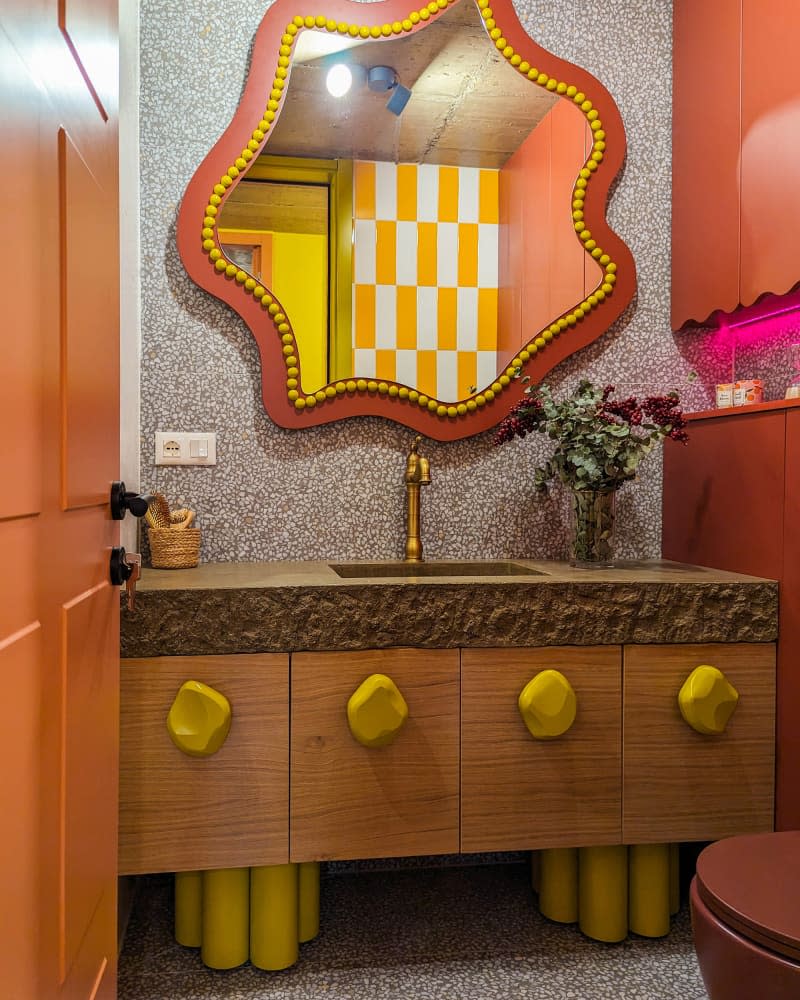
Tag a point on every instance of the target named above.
point(339, 80)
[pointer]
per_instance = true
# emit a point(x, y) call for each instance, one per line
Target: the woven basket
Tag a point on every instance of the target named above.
point(157, 514)
point(172, 548)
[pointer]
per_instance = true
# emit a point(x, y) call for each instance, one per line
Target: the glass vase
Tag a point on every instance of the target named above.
point(592, 540)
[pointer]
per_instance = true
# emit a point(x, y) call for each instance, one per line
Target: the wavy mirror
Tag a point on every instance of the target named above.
point(408, 210)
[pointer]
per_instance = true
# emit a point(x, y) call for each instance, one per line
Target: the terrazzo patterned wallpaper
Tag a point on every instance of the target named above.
point(337, 492)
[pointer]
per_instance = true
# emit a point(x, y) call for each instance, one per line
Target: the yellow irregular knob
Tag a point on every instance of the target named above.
point(199, 719)
point(376, 711)
point(707, 700)
point(548, 705)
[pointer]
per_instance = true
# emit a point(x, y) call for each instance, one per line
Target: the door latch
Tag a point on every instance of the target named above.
point(125, 568)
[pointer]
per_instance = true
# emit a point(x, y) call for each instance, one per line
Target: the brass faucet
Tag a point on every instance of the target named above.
point(418, 473)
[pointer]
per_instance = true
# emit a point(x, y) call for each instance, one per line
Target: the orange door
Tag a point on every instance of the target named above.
point(59, 617)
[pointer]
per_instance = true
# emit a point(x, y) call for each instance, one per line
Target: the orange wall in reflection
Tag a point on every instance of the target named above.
point(543, 268)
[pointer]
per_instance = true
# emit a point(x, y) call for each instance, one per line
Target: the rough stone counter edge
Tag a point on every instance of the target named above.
point(377, 616)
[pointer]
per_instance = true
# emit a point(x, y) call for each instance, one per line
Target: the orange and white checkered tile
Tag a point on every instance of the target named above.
point(425, 276)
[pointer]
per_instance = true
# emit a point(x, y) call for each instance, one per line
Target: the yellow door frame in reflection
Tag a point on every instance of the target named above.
point(325, 298)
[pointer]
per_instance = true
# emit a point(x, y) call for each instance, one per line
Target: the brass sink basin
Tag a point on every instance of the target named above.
point(361, 571)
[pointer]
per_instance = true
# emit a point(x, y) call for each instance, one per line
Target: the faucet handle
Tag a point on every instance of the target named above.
point(424, 471)
point(418, 468)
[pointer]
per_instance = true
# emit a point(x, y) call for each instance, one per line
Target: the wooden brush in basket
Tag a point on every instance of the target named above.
point(174, 543)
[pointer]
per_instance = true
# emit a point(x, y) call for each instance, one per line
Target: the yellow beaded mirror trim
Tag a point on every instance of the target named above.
point(250, 286)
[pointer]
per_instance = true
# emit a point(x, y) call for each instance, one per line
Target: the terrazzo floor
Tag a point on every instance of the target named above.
point(446, 934)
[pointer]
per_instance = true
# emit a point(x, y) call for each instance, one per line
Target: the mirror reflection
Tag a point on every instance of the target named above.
point(417, 228)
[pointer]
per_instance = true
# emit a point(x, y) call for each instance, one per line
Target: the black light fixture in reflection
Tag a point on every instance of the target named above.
point(382, 79)
point(399, 98)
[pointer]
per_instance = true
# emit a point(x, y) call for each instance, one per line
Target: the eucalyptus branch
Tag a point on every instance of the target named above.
point(600, 441)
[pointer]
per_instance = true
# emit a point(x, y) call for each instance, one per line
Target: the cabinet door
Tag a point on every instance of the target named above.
point(705, 159)
point(723, 497)
point(179, 813)
point(677, 783)
point(770, 138)
point(518, 792)
point(353, 801)
point(787, 791)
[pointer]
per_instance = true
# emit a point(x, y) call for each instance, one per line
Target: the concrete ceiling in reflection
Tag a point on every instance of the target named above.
point(468, 106)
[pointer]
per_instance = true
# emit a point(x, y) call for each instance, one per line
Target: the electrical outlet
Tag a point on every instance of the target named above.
point(186, 448)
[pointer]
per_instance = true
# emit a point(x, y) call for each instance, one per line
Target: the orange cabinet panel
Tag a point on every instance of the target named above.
point(518, 792)
point(732, 501)
point(677, 783)
point(736, 140)
point(788, 785)
point(705, 158)
point(723, 494)
point(770, 147)
point(231, 809)
point(354, 801)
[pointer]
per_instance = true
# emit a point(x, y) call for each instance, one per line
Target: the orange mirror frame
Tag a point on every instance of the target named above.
point(248, 135)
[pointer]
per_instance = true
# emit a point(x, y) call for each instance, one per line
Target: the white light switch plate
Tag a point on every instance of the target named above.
point(186, 448)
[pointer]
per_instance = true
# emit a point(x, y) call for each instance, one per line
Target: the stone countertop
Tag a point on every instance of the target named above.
point(221, 608)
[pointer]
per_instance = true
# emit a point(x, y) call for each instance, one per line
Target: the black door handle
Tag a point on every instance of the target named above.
point(123, 500)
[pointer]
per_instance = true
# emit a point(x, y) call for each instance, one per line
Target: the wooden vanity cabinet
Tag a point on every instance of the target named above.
point(231, 809)
point(520, 793)
point(462, 774)
point(353, 801)
point(679, 784)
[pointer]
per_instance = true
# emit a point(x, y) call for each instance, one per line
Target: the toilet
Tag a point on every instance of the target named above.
point(745, 904)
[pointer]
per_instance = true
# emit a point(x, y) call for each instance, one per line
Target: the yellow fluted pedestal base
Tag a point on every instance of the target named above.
point(649, 890)
point(308, 909)
point(603, 892)
point(558, 884)
point(226, 918)
point(189, 909)
point(273, 917)
point(263, 914)
point(234, 914)
point(610, 890)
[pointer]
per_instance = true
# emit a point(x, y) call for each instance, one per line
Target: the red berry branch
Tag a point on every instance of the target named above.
point(600, 440)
